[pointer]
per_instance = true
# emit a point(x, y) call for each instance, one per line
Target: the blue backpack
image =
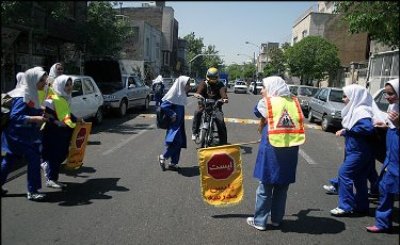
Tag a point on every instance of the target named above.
point(162, 119)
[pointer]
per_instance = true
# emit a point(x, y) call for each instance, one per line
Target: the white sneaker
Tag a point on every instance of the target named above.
point(54, 184)
point(330, 189)
point(250, 222)
point(35, 196)
point(45, 167)
point(340, 212)
point(194, 137)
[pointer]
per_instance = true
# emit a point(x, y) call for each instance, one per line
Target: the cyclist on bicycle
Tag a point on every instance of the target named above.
point(211, 88)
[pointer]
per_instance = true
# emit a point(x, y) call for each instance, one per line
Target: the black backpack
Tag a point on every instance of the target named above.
point(162, 119)
point(6, 101)
point(158, 88)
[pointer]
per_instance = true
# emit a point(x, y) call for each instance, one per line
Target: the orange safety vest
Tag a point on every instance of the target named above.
point(285, 121)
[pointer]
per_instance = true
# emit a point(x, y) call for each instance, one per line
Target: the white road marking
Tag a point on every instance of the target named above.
point(306, 157)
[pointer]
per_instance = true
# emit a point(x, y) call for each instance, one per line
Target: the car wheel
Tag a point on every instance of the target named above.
point(310, 116)
point(98, 118)
point(325, 124)
point(146, 104)
point(122, 108)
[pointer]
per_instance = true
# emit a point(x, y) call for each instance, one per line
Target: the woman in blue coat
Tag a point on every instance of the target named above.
point(275, 166)
point(358, 131)
point(173, 104)
point(389, 177)
point(22, 137)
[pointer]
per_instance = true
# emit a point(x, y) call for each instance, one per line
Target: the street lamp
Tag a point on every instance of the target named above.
point(197, 56)
point(258, 47)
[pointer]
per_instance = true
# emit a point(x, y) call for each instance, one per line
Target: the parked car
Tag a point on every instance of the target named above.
point(258, 87)
point(240, 87)
point(380, 100)
point(326, 105)
point(122, 88)
point(304, 94)
point(87, 99)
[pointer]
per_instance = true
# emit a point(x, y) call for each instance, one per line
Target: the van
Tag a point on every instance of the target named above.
point(120, 83)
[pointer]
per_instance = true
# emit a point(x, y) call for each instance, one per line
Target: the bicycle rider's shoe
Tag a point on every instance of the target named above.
point(35, 196)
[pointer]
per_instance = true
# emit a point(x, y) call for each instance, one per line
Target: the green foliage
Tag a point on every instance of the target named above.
point(276, 64)
point(15, 12)
point(104, 34)
point(235, 71)
point(380, 19)
point(313, 58)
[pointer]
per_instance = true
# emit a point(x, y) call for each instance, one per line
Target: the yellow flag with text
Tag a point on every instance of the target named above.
point(221, 175)
point(78, 145)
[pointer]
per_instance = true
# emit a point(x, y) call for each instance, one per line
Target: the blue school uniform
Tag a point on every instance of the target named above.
point(389, 183)
point(21, 138)
point(175, 138)
point(358, 161)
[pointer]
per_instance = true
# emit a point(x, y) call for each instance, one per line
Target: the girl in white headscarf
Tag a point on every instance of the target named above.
point(22, 136)
point(58, 131)
point(389, 177)
point(20, 79)
point(173, 104)
point(358, 130)
point(158, 89)
point(275, 166)
point(55, 70)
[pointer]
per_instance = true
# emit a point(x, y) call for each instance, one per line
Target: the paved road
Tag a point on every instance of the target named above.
point(120, 195)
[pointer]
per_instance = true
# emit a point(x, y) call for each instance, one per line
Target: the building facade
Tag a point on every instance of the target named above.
point(264, 57)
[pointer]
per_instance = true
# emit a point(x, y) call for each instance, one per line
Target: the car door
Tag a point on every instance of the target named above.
point(132, 93)
point(141, 90)
point(321, 101)
point(77, 101)
point(89, 92)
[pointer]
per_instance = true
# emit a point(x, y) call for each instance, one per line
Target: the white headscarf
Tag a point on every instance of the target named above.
point(360, 105)
point(177, 93)
point(395, 106)
point(28, 89)
point(274, 86)
point(20, 79)
point(59, 87)
point(159, 79)
point(53, 70)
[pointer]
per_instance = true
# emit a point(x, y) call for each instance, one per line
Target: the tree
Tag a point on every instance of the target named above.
point(313, 58)
point(235, 71)
point(276, 64)
point(104, 34)
point(195, 46)
point(380, 19)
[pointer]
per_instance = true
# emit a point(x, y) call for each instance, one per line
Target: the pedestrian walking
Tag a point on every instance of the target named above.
point(58, 131)
point(55, 70)
point(158, 89)
point(22, 137)
point(173, 104)
point(358, 131)
point(277, 156)
point(389, 177)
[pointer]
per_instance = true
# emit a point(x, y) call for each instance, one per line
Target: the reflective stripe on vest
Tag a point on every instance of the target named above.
point(62, 110)
point(285, 122)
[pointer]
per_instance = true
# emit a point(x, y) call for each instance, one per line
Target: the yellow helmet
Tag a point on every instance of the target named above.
point(212, 75)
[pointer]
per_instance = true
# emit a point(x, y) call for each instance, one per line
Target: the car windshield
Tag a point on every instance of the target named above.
point(336, 96)
point(240, 83)
point(307, 91)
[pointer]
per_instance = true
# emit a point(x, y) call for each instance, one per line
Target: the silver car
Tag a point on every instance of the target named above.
point(326, 106)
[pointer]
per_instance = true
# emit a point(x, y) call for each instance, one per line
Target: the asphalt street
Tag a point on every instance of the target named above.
point(121, 196)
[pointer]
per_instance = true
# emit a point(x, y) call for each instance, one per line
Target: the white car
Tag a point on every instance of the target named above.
point(258, 87)
point(87, 100)
point(240, 87)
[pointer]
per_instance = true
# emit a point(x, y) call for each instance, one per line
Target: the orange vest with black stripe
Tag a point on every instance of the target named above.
point(285, 121)
point(62, 109)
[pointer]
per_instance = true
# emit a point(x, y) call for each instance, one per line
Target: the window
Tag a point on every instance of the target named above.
point(304, 33)
point(381, 102)
point(323, 95)
point(295, 40)
point(293, 90)
point(88, 86)
point(336, 96)
point(77, 88)
point(131, 83)
point(138, 82)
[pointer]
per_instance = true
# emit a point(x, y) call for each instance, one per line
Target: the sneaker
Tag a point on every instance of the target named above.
point(330, 189)
point(54, 184)
point(45, 167)
point(172, 166)
point(194, 137)
point(338, 212)
point(161, 160)
point(275, 224)
point(250, 222)
point(35, 196)
point(375, 229)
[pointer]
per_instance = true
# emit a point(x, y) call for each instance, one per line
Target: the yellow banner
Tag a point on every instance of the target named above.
point(221, 175)
point(78, 145)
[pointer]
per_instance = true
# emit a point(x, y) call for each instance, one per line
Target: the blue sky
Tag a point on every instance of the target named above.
point(228, 25)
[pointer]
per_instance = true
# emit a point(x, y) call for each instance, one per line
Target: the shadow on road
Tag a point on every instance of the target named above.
point(224, 216)
point(83, 193)
point(246, 149)
point(78, 172)
point(312, 225)
point(189, 171)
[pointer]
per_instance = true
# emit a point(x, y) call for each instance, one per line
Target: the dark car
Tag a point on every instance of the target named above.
point(326, 105)
point(304, 94)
